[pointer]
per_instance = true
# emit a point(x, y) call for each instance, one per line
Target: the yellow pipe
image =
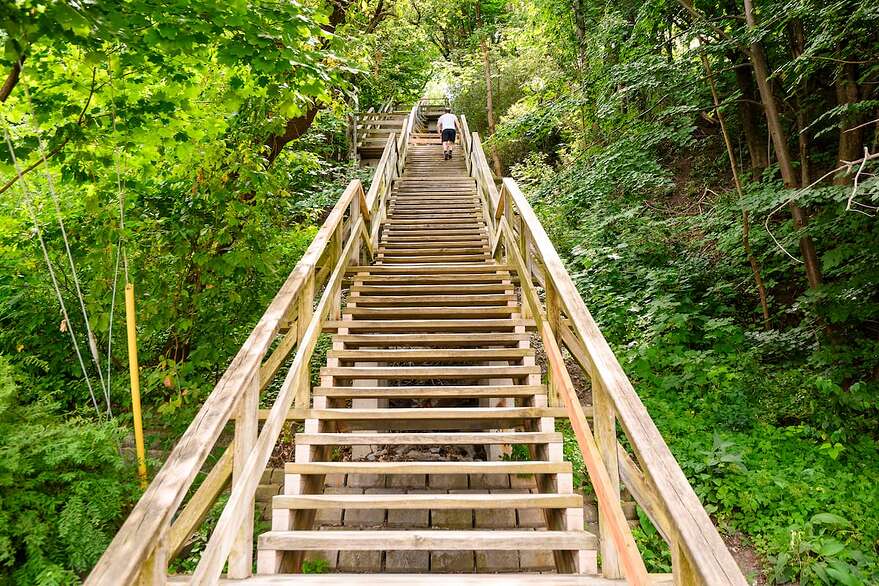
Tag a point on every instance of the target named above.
point(135, 384)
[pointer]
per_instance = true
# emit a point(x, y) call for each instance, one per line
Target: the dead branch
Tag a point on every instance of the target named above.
point(846, 166)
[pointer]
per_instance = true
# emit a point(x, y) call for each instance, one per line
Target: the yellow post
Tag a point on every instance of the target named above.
point(135, 383)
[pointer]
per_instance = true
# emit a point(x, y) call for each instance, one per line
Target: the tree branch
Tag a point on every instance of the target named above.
point(57, 149)
point(721, 34)
point(11, 80)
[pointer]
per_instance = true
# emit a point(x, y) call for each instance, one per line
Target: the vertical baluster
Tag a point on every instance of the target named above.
point(246, 421)
point(306, 310)
point(353, 216)
point(552, 318)
point(604, 424)
point(337, 245)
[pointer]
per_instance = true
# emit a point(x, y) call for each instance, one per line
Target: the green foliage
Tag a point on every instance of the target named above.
point(63, 487)
point(317, 566)
point(652, 546)
point(607, 122)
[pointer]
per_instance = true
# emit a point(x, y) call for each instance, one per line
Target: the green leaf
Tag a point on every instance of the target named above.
point(829, 519)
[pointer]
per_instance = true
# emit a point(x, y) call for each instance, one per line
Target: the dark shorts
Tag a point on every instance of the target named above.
point(448, 135)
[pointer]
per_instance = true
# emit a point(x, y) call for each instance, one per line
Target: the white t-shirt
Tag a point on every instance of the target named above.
point(447, 121)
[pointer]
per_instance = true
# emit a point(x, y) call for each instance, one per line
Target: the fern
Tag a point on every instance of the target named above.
point(63, 489)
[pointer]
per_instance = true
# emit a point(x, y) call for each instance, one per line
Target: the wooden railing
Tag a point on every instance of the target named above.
point(157, 528)
point(651, 474)
point(360, 123)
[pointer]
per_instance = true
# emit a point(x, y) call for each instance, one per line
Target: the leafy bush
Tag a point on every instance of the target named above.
point(63, 488)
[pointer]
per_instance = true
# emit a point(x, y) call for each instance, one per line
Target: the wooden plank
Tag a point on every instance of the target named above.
point(604, 423)
point(199, 505)
point(246, 426)
point(505, 579)
point(400, 502)
point(270, 367)
point(700, 540)
point(427, 540)
point(418, 280)
point(428, 372)
point(462, 298)
point(403, 439)
point(439, 391)
point(430, 325)
point(431, 413)
point(428, 313)
point(419, 290)
point(407, 355)
point(454, 340)
point(384, 259)
point(495, 467)
point(432, 270)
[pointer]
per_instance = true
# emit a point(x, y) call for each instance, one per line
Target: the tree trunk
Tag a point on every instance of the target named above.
point(746, 223)
point(780, 144)
point(296, 127)
point(489, 93)
point(798, 46)
point(851, 140)
point(489, 107)
point(750, 116)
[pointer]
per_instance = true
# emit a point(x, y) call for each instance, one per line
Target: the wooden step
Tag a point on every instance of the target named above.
point(493, 467)
point(439, 579)
point(432, 392)
point(382, 259)
point(465, 210)
point(430, 325)
point(462, 299)
point(439, 239)
point(432, 354)
point(426, 233)
point(403, 502)
point(450, 312)
point(457, 340)
point(437, 413)
point(453, 246)
point(427, 439)
point(433, 270)
point(400, 223)
point(419, 290)
point(450, 251)
point(428, 372)
point(419, 280)
point(456, 207)
point(365, 540)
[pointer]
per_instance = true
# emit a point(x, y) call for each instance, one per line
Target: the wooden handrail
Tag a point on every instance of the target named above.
point(146, 540)
point(699, 553)
point(240, 501)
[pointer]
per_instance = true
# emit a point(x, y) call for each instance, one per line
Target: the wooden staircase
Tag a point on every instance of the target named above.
point(431, 350)
point(434, 286)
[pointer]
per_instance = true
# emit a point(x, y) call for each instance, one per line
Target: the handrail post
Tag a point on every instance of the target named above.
point(604, 426)
point(246, 423)
point(353, 216)
point(553, 314)
point(306, 310)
